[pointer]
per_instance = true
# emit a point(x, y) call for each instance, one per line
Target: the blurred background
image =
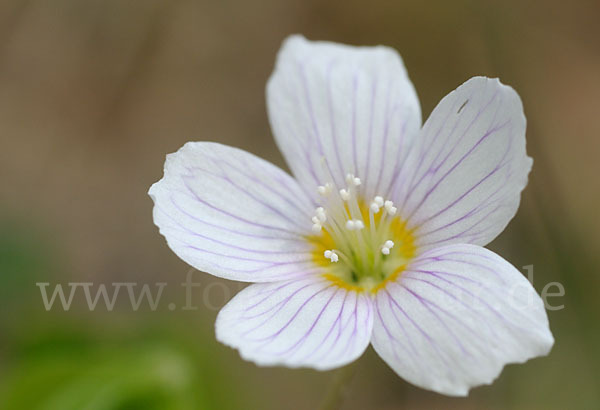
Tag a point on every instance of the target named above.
point(94, 93)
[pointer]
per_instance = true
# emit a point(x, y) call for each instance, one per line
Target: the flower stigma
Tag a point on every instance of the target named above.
point(362, 244)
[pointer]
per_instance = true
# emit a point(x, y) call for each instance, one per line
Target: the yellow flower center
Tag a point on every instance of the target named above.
point(361, 245)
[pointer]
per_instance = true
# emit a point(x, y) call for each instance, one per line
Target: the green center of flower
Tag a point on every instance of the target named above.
point(361, 244)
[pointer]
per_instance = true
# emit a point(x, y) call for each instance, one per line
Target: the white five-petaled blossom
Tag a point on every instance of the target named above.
point(378, 238)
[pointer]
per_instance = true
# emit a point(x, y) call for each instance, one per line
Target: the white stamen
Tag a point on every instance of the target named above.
point(331, 255)
point(354, 224)
point(341, 215)
point(390, 208)
point(385, 249)
point(321, 215)
point(352, 180)
point(324, 189)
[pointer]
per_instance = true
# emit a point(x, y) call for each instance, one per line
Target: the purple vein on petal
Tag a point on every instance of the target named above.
point(269, 339)
point(402, 328)
point(445, 175)
point(338, 319)
point(498, 167)
point(280, 305)
point(299, 342)
point(334, 136)
point(422, 301)
point(374, 85)
point(423, 152)
point(216, 208)
point(253, 197)
point(472, 331)
point(421, 331)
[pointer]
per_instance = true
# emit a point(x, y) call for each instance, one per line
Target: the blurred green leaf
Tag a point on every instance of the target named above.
point(147, 378)
point(24, 256)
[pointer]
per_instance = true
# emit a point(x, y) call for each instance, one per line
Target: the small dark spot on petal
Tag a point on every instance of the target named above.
point(462, 106)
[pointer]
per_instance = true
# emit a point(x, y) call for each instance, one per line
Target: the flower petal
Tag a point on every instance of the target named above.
point(229, 213)
point(352, 108)
point(455, 317)
point(463, 178)
point(304, 323)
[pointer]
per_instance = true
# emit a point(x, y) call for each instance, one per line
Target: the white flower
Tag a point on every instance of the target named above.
point(378, 236)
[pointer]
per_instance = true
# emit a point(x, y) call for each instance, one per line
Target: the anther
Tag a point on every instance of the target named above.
point(324, 189)
point(374, 207)
point(378, 200)
point(385, 249)
point(390, 208)
point(331, 255)
point(344, 194)
point(356, 224)
point(321, 215)
point(352, 180)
